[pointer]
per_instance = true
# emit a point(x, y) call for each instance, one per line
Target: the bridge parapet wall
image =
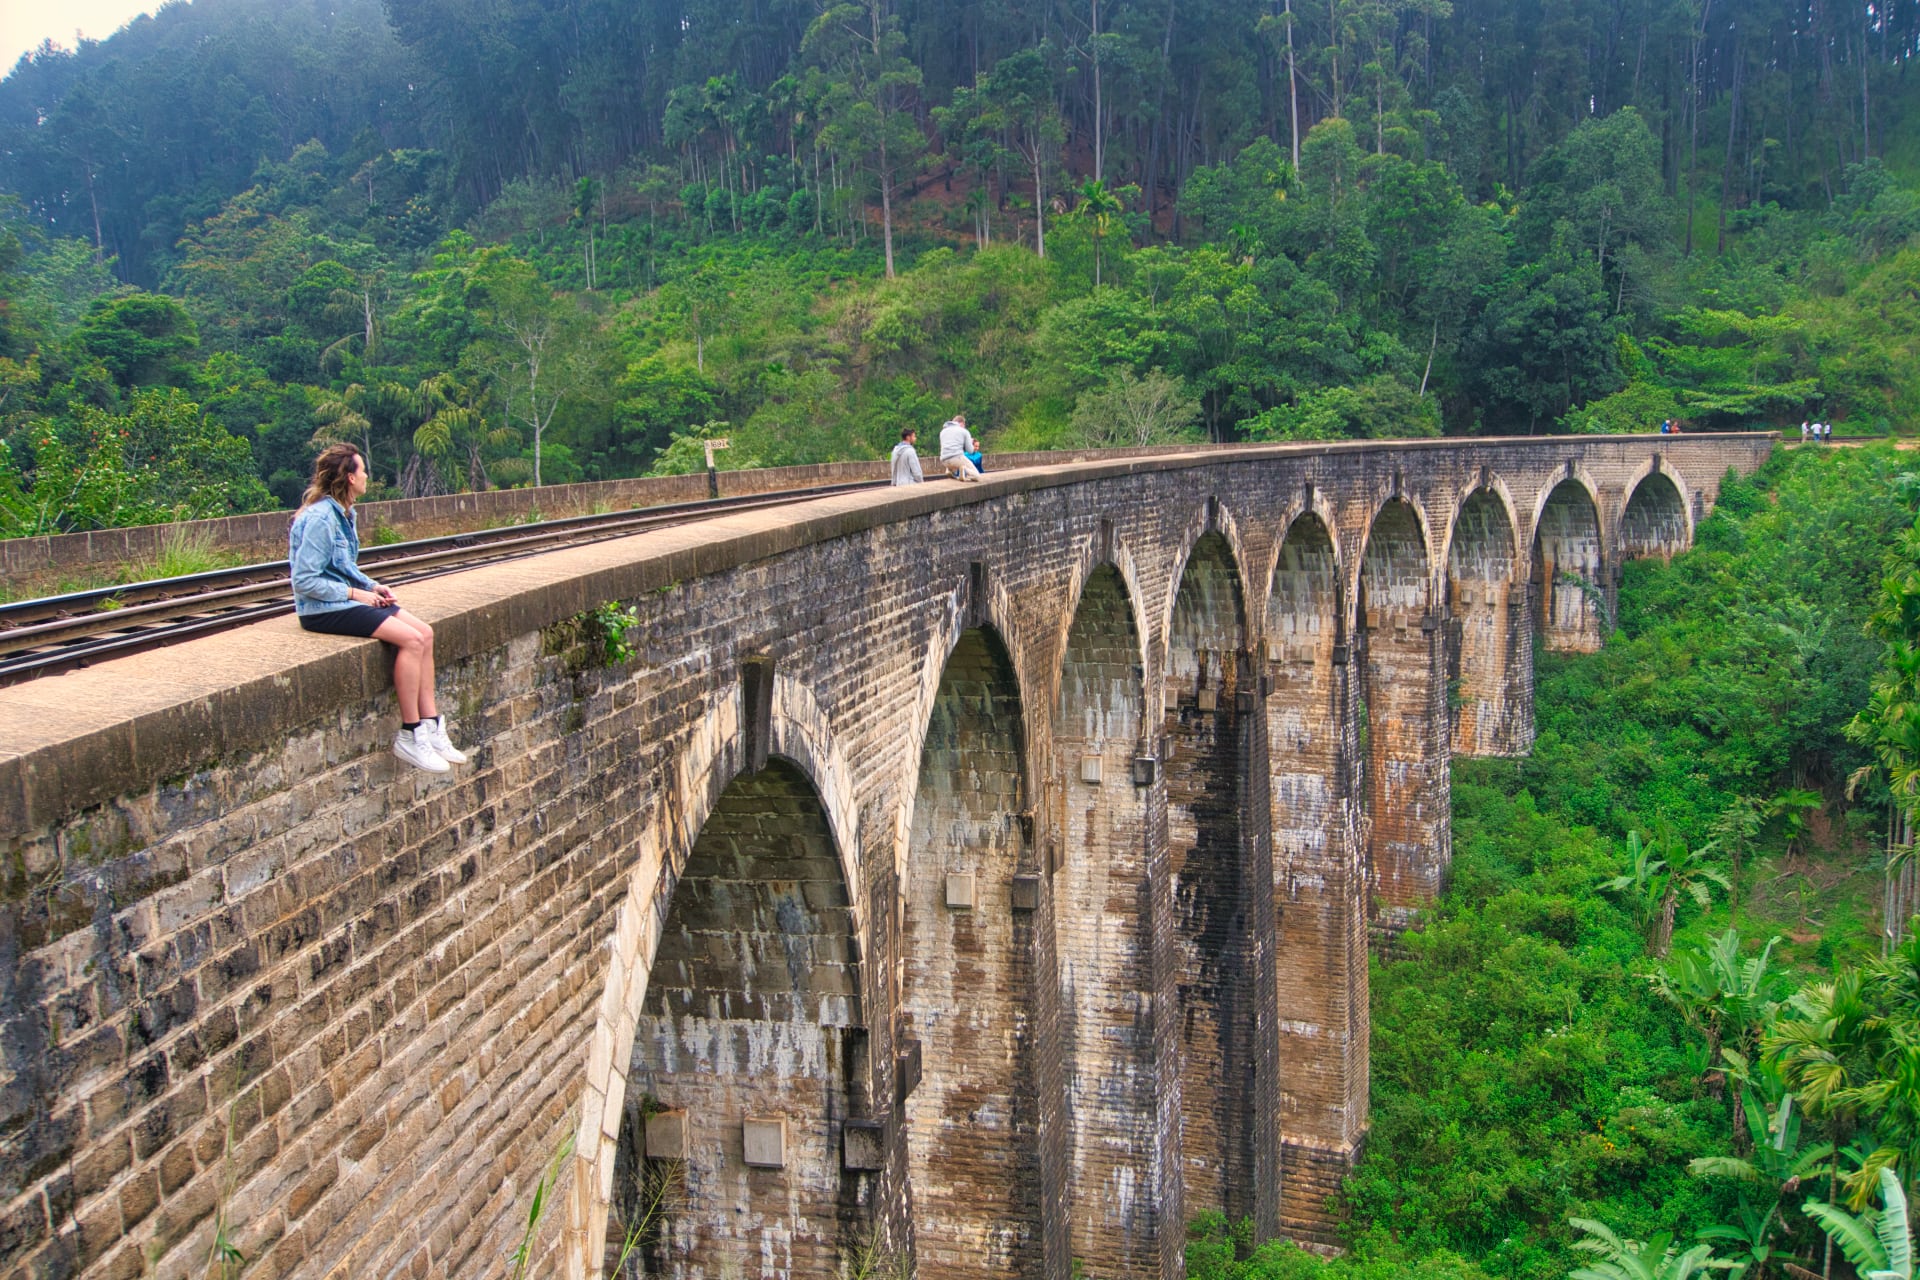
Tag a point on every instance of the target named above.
point(263, 535)
point(259, 980)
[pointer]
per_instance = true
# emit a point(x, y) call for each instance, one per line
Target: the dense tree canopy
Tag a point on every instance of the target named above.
point(598, 226)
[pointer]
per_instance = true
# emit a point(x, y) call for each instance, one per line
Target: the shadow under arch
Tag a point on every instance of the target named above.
point(1213, 879)
point(1655, 521)
point(1568, 573)
point(968, 978)
point(705, 772)
point(752, 1016)
point(1211, 520)
point(1489, 634)
point(1101, 898)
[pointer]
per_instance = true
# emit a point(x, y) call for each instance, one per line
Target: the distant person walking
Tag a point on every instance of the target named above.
point(906, 459)
point(1826, 433)
point(332, 596)
point(1804, 432)
point(956, 442)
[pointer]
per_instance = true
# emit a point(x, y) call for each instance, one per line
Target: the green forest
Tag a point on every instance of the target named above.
point(1651, 1031)
point(503, 242)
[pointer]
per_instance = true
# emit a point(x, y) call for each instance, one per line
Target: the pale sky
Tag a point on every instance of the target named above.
point(25, 23)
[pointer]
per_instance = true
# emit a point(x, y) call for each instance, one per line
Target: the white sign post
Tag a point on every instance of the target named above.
point(713, 476)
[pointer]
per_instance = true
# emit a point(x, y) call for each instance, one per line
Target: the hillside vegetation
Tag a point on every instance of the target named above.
point(1542, 1053)
point(520, 241)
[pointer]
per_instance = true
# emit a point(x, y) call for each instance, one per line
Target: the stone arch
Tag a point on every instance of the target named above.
point(1572, 473)
point(1093, 559)
point(1213, 520)
point(1489, 640)
point(1319, 971)
point(973, 1121)
point(1403, 691)
point(1211, 879)
point(997, 615)
point(1492, 485)
point(1395, 571)
point(1568, 573)
point(752, 1017)
point(1102, 923)
point(708, 762)
point(1657, 519)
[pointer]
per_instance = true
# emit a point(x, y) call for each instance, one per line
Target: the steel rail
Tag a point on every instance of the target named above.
point(53, 634)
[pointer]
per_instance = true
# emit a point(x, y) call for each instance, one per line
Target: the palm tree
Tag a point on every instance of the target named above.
point(1823, 1051)
point(455, 433)
point(1889, 1095)
point(366, 414)
point(1098, 207)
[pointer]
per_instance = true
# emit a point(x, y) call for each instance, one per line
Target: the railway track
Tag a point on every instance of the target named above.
point(55, 634)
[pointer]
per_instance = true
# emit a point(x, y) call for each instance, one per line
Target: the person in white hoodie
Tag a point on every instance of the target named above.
point(906, 459)
point(956, 442)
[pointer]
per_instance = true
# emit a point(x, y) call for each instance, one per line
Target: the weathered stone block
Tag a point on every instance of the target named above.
point(864, 1146)
point(669, 1136)
point(764, 1142)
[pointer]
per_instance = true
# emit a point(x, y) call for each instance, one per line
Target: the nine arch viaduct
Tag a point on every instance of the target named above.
point(983, 870)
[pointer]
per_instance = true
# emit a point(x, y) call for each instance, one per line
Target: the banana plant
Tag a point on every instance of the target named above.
point(1661, 869)
point(1728, 999)
point(1777, 1166)
point(1752, 1236)
point(1644, 883)
point(1656, 1259)
point(1878, 1242)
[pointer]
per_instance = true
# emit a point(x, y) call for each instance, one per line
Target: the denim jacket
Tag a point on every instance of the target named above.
point(323, 551)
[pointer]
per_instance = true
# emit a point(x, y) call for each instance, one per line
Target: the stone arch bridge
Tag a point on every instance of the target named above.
point(976, 873)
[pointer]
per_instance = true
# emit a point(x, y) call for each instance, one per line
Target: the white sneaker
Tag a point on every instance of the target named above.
point(416, 748)
point(442, 744)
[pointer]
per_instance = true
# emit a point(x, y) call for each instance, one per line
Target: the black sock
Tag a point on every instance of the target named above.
point(409, 725)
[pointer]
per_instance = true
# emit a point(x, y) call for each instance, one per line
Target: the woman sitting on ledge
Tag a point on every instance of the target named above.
point(332, 596)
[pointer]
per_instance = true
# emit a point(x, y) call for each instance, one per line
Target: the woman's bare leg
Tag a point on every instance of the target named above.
point(428, 707)
point(412, 642)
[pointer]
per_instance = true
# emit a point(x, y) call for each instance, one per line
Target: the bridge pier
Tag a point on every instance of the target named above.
point(1404, 695)
point(973, 1122)
point(1319, 893)
point(1105, 886)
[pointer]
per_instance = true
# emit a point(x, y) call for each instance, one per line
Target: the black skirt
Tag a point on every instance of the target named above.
point(354, 620)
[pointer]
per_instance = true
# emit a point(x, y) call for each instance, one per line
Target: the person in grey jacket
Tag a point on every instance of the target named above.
point(906, 462)
point(332, 596)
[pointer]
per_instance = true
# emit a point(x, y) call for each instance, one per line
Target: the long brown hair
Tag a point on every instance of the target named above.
point(332, 476)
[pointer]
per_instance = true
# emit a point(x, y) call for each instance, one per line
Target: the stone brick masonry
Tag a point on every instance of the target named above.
point(981, 872)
